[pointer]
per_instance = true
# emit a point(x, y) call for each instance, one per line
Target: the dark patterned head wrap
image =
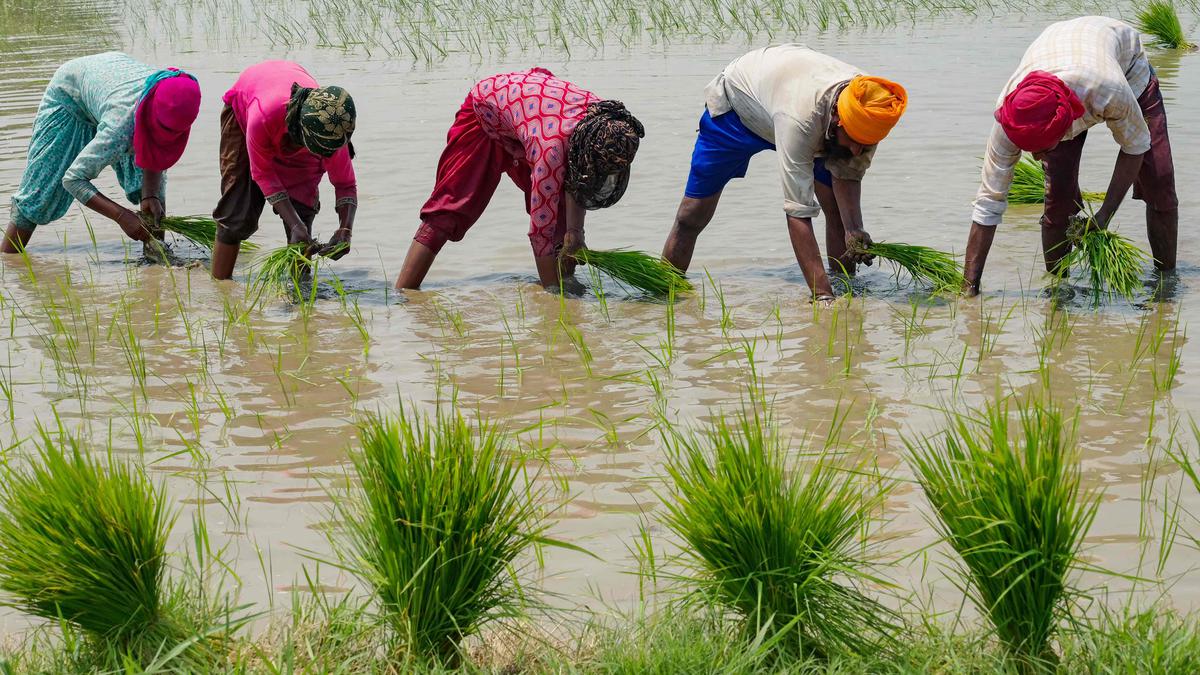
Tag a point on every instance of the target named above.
point(320, 119)
point(599, 153)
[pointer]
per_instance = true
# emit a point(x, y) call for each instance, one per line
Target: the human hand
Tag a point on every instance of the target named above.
point(339, 244)
point(153, 212)
point(572, 242)
point(132, 225)
point(857, 242)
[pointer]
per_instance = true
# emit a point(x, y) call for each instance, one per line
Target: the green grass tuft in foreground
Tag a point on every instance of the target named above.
point(1160, 21)
point(637, 270)
point(436, 526)
point(1010, 503)
point(779, 545)
point(84, 542)
point(925, 265)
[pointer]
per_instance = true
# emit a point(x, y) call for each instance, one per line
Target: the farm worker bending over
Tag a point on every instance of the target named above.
point(568, 151)
point(823, 117)
point(1075, 75)
point(280, 133)
point(104, 110)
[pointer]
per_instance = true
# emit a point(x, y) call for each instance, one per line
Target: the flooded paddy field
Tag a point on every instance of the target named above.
point(246, 409)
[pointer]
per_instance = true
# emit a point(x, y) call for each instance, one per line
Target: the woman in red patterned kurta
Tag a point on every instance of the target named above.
point(565, 148)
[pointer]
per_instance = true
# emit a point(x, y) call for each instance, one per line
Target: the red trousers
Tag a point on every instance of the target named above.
point(467, 175)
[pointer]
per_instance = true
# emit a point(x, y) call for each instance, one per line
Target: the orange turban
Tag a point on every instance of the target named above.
point(869, 107)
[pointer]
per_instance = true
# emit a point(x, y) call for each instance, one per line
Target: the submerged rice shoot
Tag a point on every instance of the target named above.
point(436, 526)
point(637, 271)
point(1112, 262)
point(84, 542)
point(1029, 184)
point(1160, 21)
point(1010, 503)
point(781, 546)
point(925, 265)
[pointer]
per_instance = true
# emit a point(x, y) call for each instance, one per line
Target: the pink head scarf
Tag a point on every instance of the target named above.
point(164, 119)
point(1039, 111)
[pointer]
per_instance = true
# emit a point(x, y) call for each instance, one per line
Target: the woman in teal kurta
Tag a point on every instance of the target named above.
point(88, 119)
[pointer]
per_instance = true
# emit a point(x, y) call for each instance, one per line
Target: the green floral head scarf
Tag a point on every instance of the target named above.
point(321, 119)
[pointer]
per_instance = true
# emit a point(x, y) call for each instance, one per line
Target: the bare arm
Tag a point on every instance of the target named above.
point(1124, 174)
point(979, 242)
point(849, 200)
point(808, 255)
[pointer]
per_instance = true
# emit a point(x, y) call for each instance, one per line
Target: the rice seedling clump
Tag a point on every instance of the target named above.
point(1160, 21)
point(1112, 262)
point(281, 271)
point(779, 546)
point(84, 543)
point(1009, 502)
point(436, 526)
point(925, 265)
point(200, 230)
point(637, 270)
point(1029, 184)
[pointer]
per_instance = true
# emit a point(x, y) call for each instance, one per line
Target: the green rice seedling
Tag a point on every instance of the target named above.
point(1160, 21)
point(200, 230)
point(923, 264)
point(1111, 261)
point(779, 546)
point(280, 272)
point(85, 543)
point(1010, 503)
point(634, 270)
point(437, 526)
point(1029, 184)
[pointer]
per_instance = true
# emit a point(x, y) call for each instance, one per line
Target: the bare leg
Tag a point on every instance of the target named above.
point(1162, 228)
point(416, 265)
point(224, 258)
point(15, 239)
point(691, 219)
point(835, 232)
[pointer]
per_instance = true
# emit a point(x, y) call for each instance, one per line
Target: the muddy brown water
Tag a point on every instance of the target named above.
point(275, 393)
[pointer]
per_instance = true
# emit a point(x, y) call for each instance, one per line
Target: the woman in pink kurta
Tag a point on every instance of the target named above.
point(568, 151)
point(280, 133)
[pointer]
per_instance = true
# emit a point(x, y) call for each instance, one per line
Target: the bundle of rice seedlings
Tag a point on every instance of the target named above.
point(1029, 184)
point(1010, 503)
point(1159, 20)
point(200, 230)
point(637, 270)
point(436, 525)
point(280, 271)
point(1113, 263)
point(783, 548)
point(86, 544)
point(923, 264)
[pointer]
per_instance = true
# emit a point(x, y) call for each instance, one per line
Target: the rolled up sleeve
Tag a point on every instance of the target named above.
point(104, 150)
point(996, 178)
point(341, 175)
point(794, 146)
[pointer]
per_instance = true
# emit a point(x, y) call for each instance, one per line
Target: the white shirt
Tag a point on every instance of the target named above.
point(1103, 62)
point(785, 95)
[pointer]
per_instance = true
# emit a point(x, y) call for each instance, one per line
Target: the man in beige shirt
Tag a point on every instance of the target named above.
point(1075, 75)
point(823, 118)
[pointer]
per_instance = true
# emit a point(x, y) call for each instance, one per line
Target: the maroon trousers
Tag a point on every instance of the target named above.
point(1155, 183)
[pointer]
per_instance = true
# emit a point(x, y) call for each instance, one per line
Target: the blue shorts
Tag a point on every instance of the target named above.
point(723, 150)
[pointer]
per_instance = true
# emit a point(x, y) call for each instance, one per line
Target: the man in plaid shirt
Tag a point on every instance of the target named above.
point(1076, 75)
